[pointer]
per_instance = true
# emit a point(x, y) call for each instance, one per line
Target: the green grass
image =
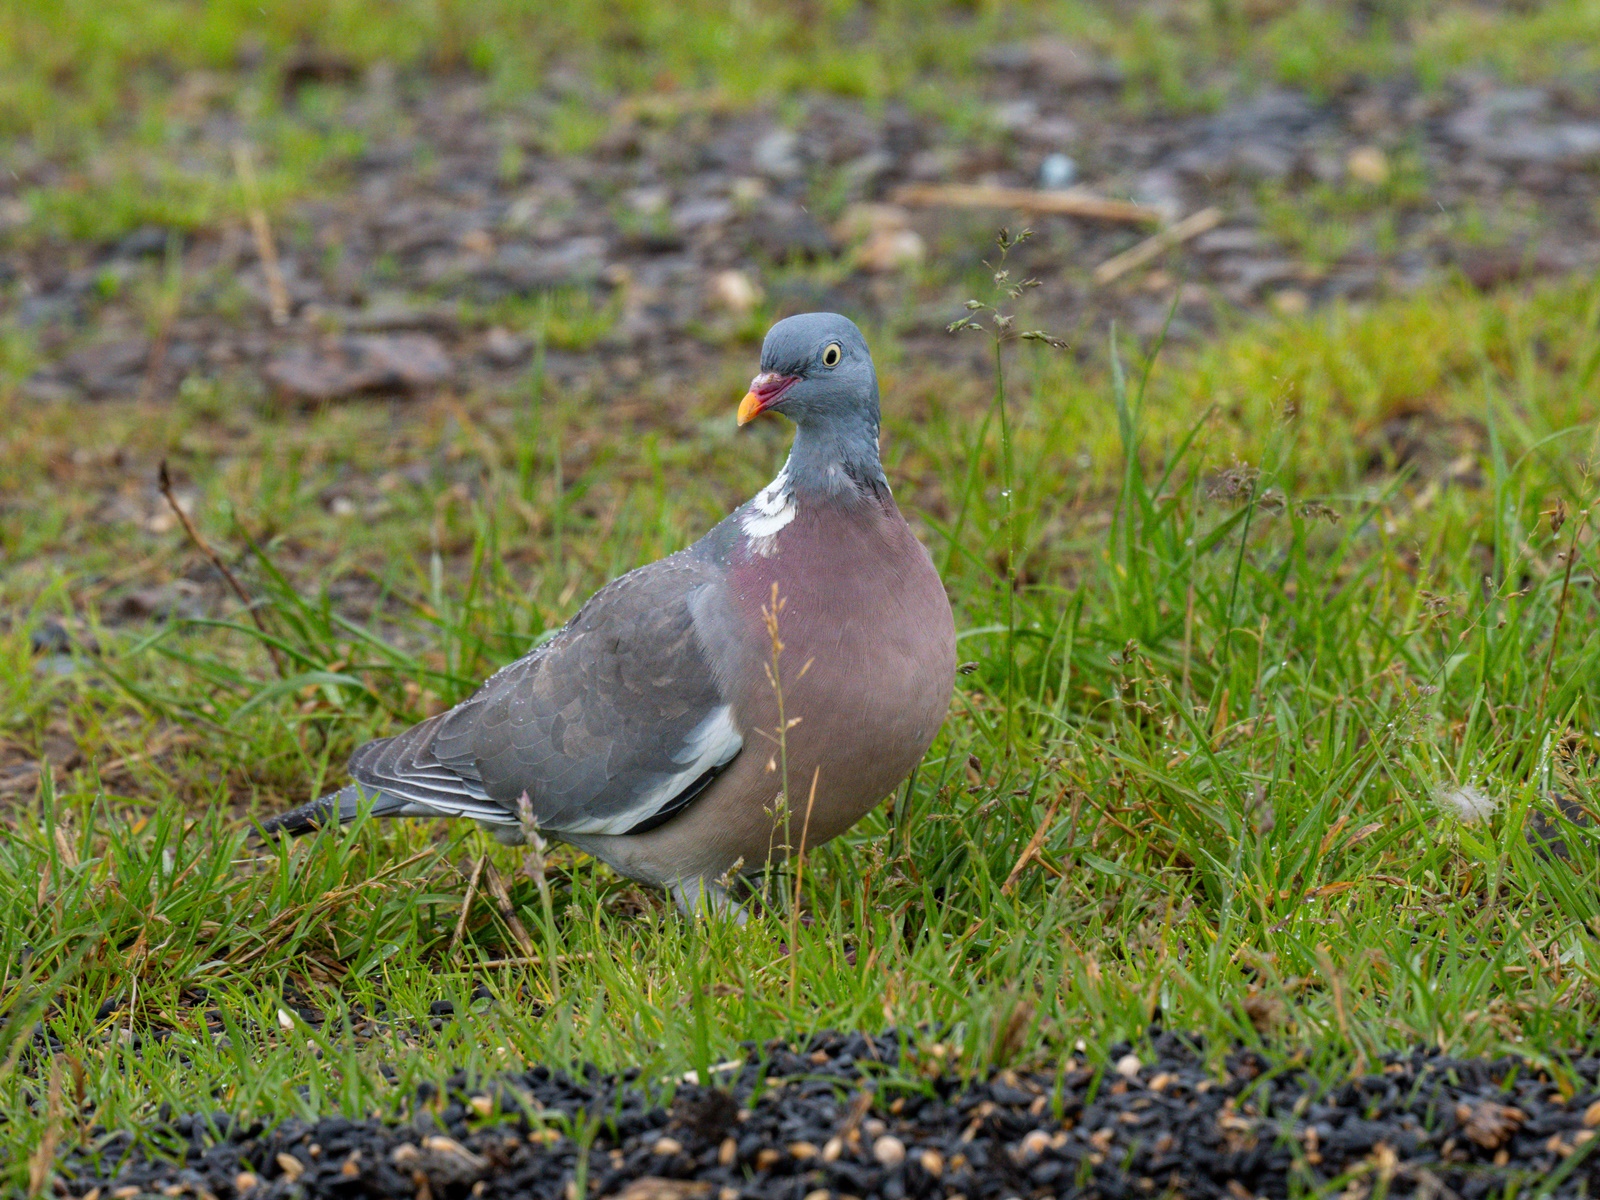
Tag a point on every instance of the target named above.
point(1232, 717)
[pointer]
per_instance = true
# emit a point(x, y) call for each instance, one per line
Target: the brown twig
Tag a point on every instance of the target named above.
point(859, 1108)
point(1070, 203)
point(164, 482)
point(502, 899)
point(466, 904)
point(1157, 244)
point(266, 250)
point(1032, 848)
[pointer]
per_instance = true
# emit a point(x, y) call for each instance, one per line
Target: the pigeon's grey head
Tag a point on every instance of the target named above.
point(815, 370)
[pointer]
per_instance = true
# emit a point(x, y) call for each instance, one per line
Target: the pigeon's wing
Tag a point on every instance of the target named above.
point(610, 727)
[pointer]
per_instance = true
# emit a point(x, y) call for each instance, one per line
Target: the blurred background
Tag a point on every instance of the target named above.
point(637, 185)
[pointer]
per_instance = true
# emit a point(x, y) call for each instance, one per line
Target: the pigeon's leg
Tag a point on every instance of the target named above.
point(506, 835)
point(699, 897)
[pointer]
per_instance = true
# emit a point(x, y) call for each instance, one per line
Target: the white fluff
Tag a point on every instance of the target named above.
point(1468, 804)
point(772, 509)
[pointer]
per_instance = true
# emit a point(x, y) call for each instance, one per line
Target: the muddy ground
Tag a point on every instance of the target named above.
point(431, 258)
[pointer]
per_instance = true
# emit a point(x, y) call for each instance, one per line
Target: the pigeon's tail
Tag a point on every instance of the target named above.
point(336, 808)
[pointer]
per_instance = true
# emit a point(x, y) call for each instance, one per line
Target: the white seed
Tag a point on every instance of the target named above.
point(889, 1150)
point(1034, 1144)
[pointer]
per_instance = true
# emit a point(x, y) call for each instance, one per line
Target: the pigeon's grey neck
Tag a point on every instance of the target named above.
point(836, 456)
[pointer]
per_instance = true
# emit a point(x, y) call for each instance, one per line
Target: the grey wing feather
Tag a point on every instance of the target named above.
point(608, 727)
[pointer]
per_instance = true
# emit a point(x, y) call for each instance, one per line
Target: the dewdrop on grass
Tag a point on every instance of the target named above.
point(1468, 804)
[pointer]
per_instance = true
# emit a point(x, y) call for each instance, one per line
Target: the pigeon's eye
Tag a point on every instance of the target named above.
point(832, 355)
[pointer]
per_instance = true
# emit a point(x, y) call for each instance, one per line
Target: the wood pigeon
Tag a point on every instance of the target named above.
point(646, 731)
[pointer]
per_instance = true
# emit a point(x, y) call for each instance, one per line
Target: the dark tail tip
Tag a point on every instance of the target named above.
point(308, 818)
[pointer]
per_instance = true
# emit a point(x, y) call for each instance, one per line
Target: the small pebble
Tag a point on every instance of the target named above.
point(891, 250)
point(874, 1128)
point(1290, 302)
point(244, 1181)
point(1368, 164)
point(1591, 1115)
point(736, 292)
point(1057, 171)
point(504, 348)
point(728, 1152)
point(833, 1149)
point(482, 1105)
point(889, 1150)
point(291, 1166)
point(1129, 1066)
point(667, 1146)
point(802, 1150)
point(932, 1162)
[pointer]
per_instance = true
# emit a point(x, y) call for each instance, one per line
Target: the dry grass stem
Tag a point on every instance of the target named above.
point(41, 1163)
point(1561, 604)
point(1156, 245)
point(466, 904)
point(799, 878)
point(266, 249)
point(1067, 202)
point(496, 888)
point(164, 482)
point(1032, 847)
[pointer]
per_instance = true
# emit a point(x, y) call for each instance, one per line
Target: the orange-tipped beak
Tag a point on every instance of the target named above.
point(766, 390)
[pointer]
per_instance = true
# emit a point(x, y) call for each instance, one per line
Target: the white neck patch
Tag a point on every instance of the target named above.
point(773, 507)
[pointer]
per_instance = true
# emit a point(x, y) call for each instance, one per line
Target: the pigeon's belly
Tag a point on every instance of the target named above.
point(865, 671)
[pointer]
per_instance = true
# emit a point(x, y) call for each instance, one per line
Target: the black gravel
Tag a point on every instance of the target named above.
point(852, 1115)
